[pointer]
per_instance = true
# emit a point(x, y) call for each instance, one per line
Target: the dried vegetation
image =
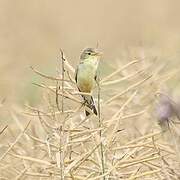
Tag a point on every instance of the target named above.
point(56, 141)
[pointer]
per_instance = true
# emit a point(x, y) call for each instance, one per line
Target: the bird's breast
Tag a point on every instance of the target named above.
point(85, 77)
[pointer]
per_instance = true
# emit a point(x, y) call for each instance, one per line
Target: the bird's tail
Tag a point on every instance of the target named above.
point(89, 102)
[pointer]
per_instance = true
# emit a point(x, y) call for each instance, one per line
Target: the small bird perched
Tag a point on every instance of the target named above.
point(86, 75)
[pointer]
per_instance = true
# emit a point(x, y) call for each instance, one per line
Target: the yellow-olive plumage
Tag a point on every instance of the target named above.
point(86, 75)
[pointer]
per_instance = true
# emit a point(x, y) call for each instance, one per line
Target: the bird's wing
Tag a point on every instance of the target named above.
point(96, 77)
point(76, 74)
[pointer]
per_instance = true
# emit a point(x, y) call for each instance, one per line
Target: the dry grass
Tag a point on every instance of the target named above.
point(56, 141)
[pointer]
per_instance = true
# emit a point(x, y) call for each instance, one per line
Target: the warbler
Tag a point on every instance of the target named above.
point(86, 75)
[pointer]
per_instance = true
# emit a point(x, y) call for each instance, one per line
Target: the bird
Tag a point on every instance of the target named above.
point(86, 75)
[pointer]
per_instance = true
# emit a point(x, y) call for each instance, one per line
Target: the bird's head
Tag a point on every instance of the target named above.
point(91, 53)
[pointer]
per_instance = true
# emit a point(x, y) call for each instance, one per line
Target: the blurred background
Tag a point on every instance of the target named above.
point(32, 32)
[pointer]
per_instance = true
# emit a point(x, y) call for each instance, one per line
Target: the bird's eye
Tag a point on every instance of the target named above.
point(89, 53)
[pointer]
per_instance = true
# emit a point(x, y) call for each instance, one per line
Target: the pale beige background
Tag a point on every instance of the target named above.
point(32, 31)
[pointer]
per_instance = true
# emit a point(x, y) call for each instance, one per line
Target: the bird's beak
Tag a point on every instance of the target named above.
point(98, 54)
